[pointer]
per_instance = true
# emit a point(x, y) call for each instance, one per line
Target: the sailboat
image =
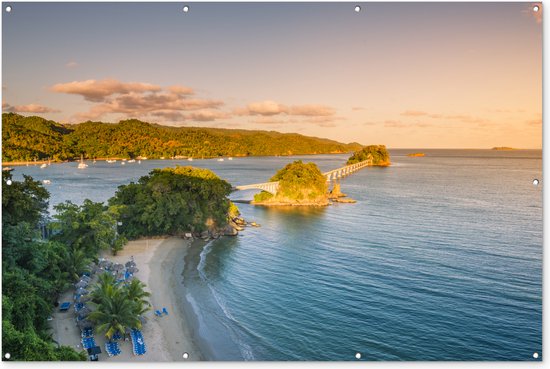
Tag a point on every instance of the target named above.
point(82, 165)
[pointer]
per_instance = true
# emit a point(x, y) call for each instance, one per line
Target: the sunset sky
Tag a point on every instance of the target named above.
point(411, 75)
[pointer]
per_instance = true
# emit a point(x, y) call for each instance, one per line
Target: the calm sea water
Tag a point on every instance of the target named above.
point(440, 259)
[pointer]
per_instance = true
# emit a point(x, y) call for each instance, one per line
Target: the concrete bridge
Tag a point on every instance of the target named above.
point(332, 175)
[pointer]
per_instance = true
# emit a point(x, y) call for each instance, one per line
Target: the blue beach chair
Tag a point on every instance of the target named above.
point(158, 313)
point(165, 311)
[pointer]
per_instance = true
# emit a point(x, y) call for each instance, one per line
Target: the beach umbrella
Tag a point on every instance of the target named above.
point(84, 298)
point(83, 324)
point(81, 284)
point(130, 278)
point(130, 263)
point(85, 278)
point(81, 291)
point(132, 270)
point(84, 312)
point(105, 264)
point(118, 267)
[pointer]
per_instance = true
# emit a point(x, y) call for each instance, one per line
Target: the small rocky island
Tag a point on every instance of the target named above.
point(416, 154)
point(503, 148)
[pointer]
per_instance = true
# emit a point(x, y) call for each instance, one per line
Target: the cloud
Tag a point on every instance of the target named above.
point(413, 113)
point(143, 100)
point(97, 91)
point(181, 90)
point(357, 108)
point(271, 108)
point(312, 111)
point(207, 115)
point(464, 118)
point(71, 64)
point(265, 108)
point(30, 108)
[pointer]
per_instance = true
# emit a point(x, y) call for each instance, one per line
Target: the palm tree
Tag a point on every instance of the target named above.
point(135, 292)
point(115, 313)
point(105, 288)
point(77, 262)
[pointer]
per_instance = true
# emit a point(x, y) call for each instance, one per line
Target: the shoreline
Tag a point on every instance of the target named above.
point(161, 264)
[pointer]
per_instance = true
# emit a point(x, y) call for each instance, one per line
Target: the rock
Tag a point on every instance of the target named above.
point(204, 235)
point(188, 235)
point(230, 231)
point(347, 201)
point(336, 193)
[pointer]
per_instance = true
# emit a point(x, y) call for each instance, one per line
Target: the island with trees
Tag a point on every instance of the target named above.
point(34, 138)
point(300, 184)
point(378, 154)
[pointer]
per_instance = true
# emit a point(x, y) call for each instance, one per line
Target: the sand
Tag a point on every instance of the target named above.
point(160, 263)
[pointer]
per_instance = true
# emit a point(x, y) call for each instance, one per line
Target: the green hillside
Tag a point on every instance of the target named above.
point(29, 138)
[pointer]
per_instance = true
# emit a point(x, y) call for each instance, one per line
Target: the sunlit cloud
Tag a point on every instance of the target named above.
point(97, 91)
point(71, 64)
point(143, 100)
point(271, 108)
point(30, 108)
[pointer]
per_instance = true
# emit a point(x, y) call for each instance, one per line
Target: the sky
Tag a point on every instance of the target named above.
point(407, 75)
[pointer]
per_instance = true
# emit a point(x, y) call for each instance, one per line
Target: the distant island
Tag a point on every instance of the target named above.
point(34, 138)
point(503, 148)
point(378, 154)
point(416, 154)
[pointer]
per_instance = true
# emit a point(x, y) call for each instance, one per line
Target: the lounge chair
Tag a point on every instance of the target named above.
point(158, 313)
point(165, 311)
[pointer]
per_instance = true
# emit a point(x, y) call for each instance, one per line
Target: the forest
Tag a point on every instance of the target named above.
point(34, 138)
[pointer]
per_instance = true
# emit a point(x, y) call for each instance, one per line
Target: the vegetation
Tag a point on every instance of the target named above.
point(30, 138)
point(118, 306)
point(299, 184)
point(377, 153)
point(33, 274)
point(173, 201)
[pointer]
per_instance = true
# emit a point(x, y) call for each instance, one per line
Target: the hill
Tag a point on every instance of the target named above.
point(29, 138)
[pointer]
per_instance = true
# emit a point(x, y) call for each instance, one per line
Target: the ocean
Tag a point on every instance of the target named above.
point(439, 259)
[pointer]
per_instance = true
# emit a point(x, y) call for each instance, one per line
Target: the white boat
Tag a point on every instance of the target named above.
point(132, 161)
point(190, 159)
point(230, 158)
point(111, 161)
point(82, 165)
point(139, 161)
point(43, 166)
point(123, 163)
point(220, 159)
point(5, 169)
point(46, 181)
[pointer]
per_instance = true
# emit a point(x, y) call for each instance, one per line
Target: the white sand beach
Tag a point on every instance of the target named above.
point(160, 264)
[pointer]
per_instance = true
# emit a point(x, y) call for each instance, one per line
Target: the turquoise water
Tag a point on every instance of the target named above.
point(440, 259)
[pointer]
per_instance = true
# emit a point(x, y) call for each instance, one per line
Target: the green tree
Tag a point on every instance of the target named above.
point(377, 154)
point(172, 201)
